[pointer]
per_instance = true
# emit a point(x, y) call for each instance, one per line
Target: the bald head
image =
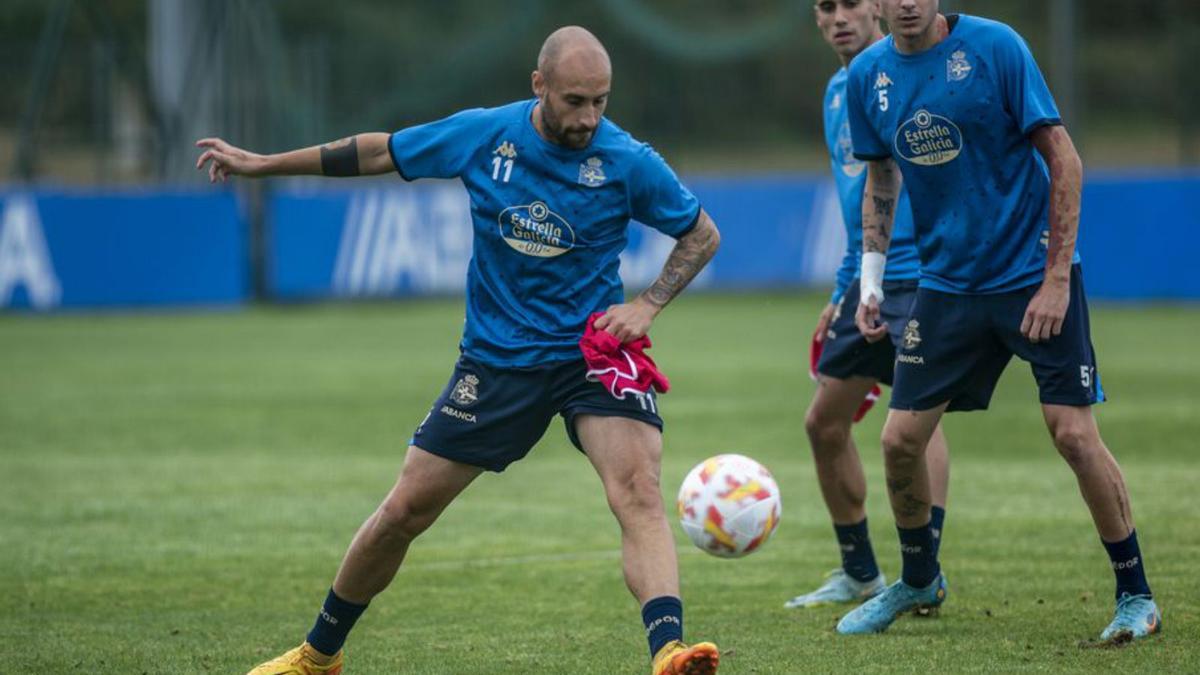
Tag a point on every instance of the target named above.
point(574, 51)
point(571, 83)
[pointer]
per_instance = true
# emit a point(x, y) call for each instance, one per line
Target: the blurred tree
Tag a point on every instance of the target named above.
point(715, 84)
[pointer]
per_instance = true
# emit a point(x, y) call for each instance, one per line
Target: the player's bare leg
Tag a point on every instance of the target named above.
point(843, 484)
point(1077, 439)
point(839, 468)
point(838, 464)
point(906, 436)
point(627, 455)
point(426, 486)
point(844, 488)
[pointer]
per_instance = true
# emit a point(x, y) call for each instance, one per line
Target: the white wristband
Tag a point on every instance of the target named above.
point(871, 279)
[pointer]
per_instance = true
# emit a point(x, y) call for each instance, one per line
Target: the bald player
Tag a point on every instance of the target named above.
point(553, 186)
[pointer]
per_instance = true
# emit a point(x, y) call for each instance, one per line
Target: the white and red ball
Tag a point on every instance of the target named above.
point(729, 505)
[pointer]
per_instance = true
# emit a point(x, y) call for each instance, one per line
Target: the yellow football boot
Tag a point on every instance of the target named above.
point(676, 658)
point(299, 661)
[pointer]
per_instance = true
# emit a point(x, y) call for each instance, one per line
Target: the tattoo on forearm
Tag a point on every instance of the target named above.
point(690, 255)
point(880, 210)
point(340, 158)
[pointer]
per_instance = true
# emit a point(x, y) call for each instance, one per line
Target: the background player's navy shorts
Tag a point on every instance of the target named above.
point(847, 353)
point(491, 417)
point(955, 348)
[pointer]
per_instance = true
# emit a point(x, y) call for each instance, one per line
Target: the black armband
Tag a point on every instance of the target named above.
point(342, 160)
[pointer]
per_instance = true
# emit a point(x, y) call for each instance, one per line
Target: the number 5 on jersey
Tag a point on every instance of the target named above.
point(883, 100)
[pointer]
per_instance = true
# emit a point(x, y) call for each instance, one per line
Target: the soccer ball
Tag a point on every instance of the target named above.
point(729, 505)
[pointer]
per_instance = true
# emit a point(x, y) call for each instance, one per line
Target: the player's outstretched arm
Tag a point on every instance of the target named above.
point(1046, 311)
point(361, 155)
point(880, 196)
point(692, 252)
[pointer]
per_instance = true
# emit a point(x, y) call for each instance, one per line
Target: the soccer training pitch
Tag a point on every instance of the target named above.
point(179, 490)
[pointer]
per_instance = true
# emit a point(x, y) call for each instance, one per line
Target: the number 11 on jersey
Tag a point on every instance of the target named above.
point(497, 163)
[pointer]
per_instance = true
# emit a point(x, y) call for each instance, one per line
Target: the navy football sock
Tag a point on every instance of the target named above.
point(858, 559)
point(663, 617)
point(333, 624)
point(917, 553)
point(1126, 559)
point(937, 516)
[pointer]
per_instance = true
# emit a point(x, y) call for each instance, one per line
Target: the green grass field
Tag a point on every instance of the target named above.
point(179, 490)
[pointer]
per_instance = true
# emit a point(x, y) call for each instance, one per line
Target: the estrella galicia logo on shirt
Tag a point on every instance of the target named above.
point(851, 166)
point(536, 230)
point(928, 139)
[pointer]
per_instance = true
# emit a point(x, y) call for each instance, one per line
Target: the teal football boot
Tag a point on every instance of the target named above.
point(1137, 616)
point(838, 588)
point(876, 614)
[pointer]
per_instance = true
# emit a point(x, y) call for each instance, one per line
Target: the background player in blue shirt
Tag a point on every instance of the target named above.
point(850, 365)
point(553, 186)
point(959, 105)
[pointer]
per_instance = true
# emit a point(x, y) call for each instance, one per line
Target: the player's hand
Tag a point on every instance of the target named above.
point(628, 321)
point(1046, 311)
point(823, 322)
point(867, 319)
point(228, 160)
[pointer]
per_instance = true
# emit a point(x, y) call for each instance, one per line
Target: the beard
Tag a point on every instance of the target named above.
point(573, 137)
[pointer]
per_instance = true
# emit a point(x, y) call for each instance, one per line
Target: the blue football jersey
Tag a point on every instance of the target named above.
point(549, 222)
point(957, 118)
point(850, 176)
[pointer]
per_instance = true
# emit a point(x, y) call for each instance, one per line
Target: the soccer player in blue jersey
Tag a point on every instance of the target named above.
point(957, 106)
point(553, 185)
point(850, 366)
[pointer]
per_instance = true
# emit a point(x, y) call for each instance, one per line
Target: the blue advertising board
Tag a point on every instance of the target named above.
point(1136, 235)
point(83, 249)
point(393, 239)
point(407, 239)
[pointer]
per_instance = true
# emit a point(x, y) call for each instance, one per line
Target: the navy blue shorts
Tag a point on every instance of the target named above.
point(491, 417)
point(846, 353)
point(955, 347)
